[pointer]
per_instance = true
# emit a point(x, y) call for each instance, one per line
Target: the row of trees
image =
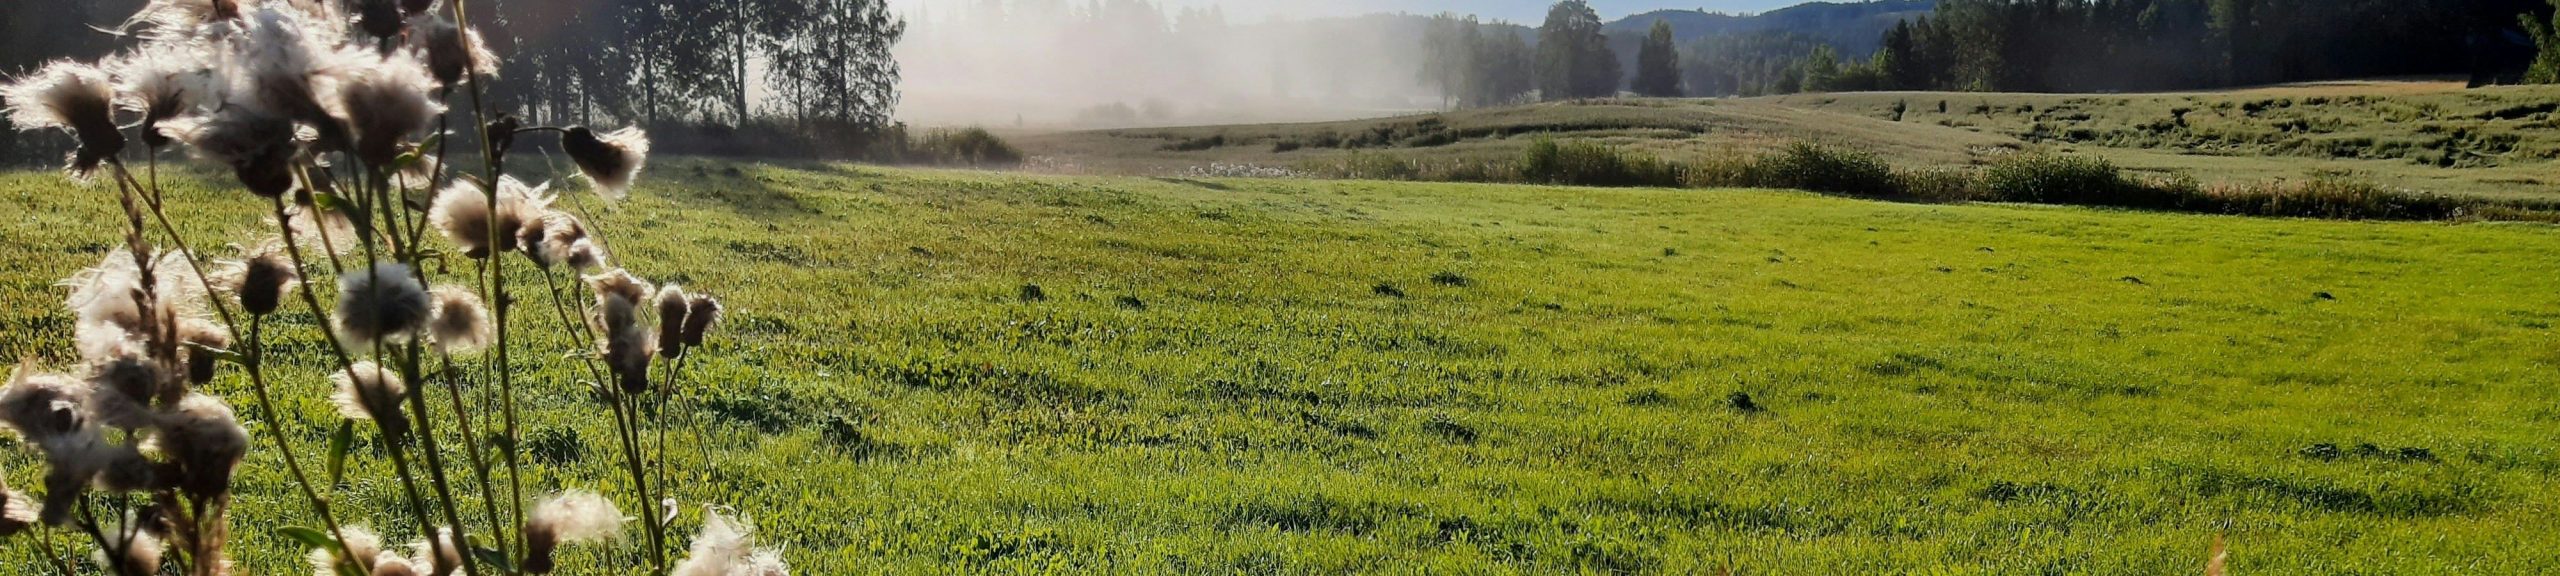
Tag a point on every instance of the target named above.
point(804, 63)
point(1473, 63)
point(2060, 46)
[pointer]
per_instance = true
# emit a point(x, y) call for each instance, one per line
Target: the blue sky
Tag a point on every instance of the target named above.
point(1513, 10)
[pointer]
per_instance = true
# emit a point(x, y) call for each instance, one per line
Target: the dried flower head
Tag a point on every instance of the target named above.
point(363, 549)
point(262, 278)
point(368, 391)
point(727, 548)
point(561, 238)
point(286, 64)
point(379, 18)
point(200, 336)
point(462, 212)
point(205, 441)
point(17, 512)
point(672, 307)
point(109, 302)
point(390, 564)
point(70, 96)
point(161, 80)
point(121, 389)
point(453, 52)
point(317, 227)
point(571, 517)
point(48, 410)
point(439, 557)
point(138, 551)
point(611, 161)
point(42, 407)
point(382, 302)
point(618, 296)
point(384, 101)
point(461, 322)
point(179, 17)
point(703, 313)
point(258, 146)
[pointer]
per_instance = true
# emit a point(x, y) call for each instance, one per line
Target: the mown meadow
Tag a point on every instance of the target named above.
point(934, 371)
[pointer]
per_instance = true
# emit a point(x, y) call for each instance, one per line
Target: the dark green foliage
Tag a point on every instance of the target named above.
point(1574, 59)
point(2545, 68)
point(974, 147)
point(1589, 163)
point(2056, 179)
point(1658, 63)
point(1475, 64)
point(1824, 169)
point(1196, 144)
point(554, 445)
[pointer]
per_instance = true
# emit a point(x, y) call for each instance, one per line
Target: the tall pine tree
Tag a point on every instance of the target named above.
point(1658, 63)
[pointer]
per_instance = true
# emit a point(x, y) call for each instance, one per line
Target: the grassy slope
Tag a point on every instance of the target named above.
point(1974, 388)
point(2494, 142)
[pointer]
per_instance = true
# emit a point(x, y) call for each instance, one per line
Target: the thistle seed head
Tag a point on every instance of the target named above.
point(383, 302)
point(612, 161)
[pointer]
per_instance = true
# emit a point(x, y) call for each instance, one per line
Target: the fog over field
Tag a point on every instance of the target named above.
point(1053, 63)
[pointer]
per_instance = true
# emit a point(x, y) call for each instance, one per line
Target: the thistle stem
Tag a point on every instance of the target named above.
point(257, 378)
point(479, 459)
point(624, 428)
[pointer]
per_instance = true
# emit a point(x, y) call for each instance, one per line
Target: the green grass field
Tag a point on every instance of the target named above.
point(2426, 136)
point(1289, 376)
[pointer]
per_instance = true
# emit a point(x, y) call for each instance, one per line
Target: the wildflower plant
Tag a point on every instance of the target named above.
point(338, 120)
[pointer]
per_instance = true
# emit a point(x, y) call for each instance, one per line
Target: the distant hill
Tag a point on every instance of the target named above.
point(1854, 28)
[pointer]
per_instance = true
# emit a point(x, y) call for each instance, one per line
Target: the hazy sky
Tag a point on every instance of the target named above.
point(1529, 11)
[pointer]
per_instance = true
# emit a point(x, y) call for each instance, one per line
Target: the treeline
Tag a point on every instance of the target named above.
point(2122, 45)
point(733, 71)
point(2065, 46)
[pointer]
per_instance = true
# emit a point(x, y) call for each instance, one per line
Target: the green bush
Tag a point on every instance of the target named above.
point(1817, 168)
point(1588, 163)
point(2336, 197)
point(967, 147)
point(2055, 179)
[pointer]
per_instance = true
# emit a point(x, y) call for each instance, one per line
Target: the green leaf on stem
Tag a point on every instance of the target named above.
point(338, 445)
point(311, 538)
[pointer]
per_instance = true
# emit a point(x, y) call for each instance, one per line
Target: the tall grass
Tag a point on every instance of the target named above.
point(2032, 178)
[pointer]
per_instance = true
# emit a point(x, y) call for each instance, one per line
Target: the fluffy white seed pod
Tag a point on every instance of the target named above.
point(261, 278)
point(316, 227)
point(727, 548)
point(463, 214)
point(161, 80)
point(440, 557)
point(288, 65)
point(571, 517)
point(360, 541)
point(384, 101)
point(40, 406)
point(105, 299)
point(382, 302)
point(452, 52)
point(701, 313)
point(69, 96)
point(257, 145)
point(461, 322)
point(141, 550)
point(17, 512)
point(672, 306)
point(612, 161)
point(206, 441)
point(373, 393)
